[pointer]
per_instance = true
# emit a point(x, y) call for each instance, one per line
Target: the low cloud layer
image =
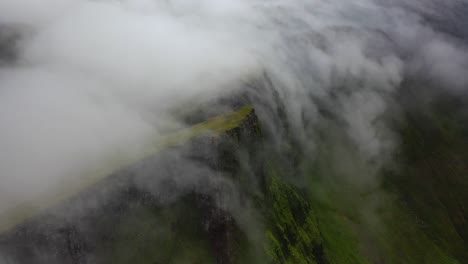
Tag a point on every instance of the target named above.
point(94, 80)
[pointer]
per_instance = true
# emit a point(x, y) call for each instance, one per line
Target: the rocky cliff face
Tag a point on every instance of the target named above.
point(122, 219)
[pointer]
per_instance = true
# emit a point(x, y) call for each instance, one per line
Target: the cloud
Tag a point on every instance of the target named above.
point(92, 80)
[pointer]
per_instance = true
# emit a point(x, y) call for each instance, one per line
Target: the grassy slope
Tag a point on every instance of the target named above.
point(431, 186)
point(293, 232)
point(418, 216)
point(305, 230)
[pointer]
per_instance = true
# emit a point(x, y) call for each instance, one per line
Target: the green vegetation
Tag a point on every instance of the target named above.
point(415, 215)
point(405, 240)
point(429, 221)
point(302, 229)
point(293, 232)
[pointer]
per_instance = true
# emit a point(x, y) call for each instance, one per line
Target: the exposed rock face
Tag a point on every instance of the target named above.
point(120, 214)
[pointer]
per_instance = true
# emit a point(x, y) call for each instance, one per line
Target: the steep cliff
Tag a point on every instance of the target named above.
point(216, 193)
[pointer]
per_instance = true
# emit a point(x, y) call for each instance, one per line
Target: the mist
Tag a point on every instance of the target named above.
point(90, 82)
